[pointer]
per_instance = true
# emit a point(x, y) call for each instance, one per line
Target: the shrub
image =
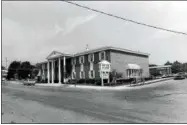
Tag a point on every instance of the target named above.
point(115, 75)
point(148, 78)
point(90, 81)
point(72, 81)
point(98, 82)
point(81, 81)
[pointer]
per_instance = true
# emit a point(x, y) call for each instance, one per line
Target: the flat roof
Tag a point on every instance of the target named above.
point(110, 48)
point(165, 66)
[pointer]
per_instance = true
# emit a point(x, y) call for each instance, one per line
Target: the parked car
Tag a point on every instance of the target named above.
point(3, 79)
point(29, 82)
point(185, 74)
point(164, 76)
point(179, 76)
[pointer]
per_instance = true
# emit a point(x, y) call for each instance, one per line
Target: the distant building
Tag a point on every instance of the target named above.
point(4, 73)
point(85, 65)
point(160, 70)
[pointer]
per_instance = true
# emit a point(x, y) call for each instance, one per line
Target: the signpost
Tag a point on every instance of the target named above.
point(105, 69)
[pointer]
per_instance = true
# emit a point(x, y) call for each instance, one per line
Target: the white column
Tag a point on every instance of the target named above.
point(102, 79)
point(48, 75)
point(64, 67)
point(52, 71)
point(43, 71)
point(59, 71)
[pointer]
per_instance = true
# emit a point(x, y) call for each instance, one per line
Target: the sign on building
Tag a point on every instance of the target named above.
point(105, 69)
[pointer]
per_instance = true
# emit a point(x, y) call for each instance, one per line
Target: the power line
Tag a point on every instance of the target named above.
point(129, 20)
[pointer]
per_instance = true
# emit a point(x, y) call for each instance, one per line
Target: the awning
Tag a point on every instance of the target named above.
point(104, 62)
point(133, 66)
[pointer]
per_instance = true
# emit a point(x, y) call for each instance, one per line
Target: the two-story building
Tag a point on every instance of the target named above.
point(85, 65)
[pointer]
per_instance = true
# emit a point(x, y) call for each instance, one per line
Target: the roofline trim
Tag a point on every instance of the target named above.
point(110, 48)
point(61, 54)
point(160, 66)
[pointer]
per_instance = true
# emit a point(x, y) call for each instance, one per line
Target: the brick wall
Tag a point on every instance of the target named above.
point(119, 61)
point(87, 65)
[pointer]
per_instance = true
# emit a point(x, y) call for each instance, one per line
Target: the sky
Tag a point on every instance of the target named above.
point(31, 30)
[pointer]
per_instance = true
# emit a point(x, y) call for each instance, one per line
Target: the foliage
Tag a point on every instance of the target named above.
point(13, 69)
point(115, 75)
point(176, 67)
point(21, 70)
point(25, 70)
point(168, 63)
point(184, 67)
point(3, 68)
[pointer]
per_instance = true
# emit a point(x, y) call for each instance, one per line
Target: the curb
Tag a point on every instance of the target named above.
point(151, 82)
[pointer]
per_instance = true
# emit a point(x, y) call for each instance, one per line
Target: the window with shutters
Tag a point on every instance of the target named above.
point(91, 58)
point(82, 74)
point(73, 75)
point(73, 68)
point(91, 74)
point(91, 66)
point(102, 55)
point(81, 59)
point(82, 67)
point(73, 61)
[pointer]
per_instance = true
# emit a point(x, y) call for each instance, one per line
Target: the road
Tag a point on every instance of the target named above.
point(164, 102)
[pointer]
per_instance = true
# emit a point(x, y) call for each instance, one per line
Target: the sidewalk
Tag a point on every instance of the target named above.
point(121, 87)
point(104, 87)
point(151, 81)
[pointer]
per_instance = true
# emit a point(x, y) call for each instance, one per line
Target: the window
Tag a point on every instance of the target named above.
point(134, 72)
point(82, 75)
point(82, 67)
point(81, 59)
point(102, 55)
point(91, 74)
point(91, 58)
point(73, 75)
point(73, 61)
point(91, 66)
point(73, 68)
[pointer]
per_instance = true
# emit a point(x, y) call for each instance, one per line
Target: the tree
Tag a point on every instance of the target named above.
point(13, 69)
point(21, 70)
point(176, 67)
point(115, 75)
point(3, 68)
point(25, 70)
point(184, 67)
point(168, 63)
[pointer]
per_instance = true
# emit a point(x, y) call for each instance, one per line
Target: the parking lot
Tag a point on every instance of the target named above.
point(163, 102)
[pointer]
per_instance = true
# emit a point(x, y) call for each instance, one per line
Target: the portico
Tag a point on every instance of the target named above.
point(56, 67)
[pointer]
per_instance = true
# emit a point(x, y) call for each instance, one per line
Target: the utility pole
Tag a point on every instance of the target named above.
point(6, 62)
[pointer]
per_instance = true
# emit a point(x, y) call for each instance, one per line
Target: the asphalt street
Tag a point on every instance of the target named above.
point(164, 102)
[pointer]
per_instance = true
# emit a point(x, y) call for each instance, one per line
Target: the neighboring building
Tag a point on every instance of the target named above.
point(85, 65)
point(160, 70)
point(4, 73)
